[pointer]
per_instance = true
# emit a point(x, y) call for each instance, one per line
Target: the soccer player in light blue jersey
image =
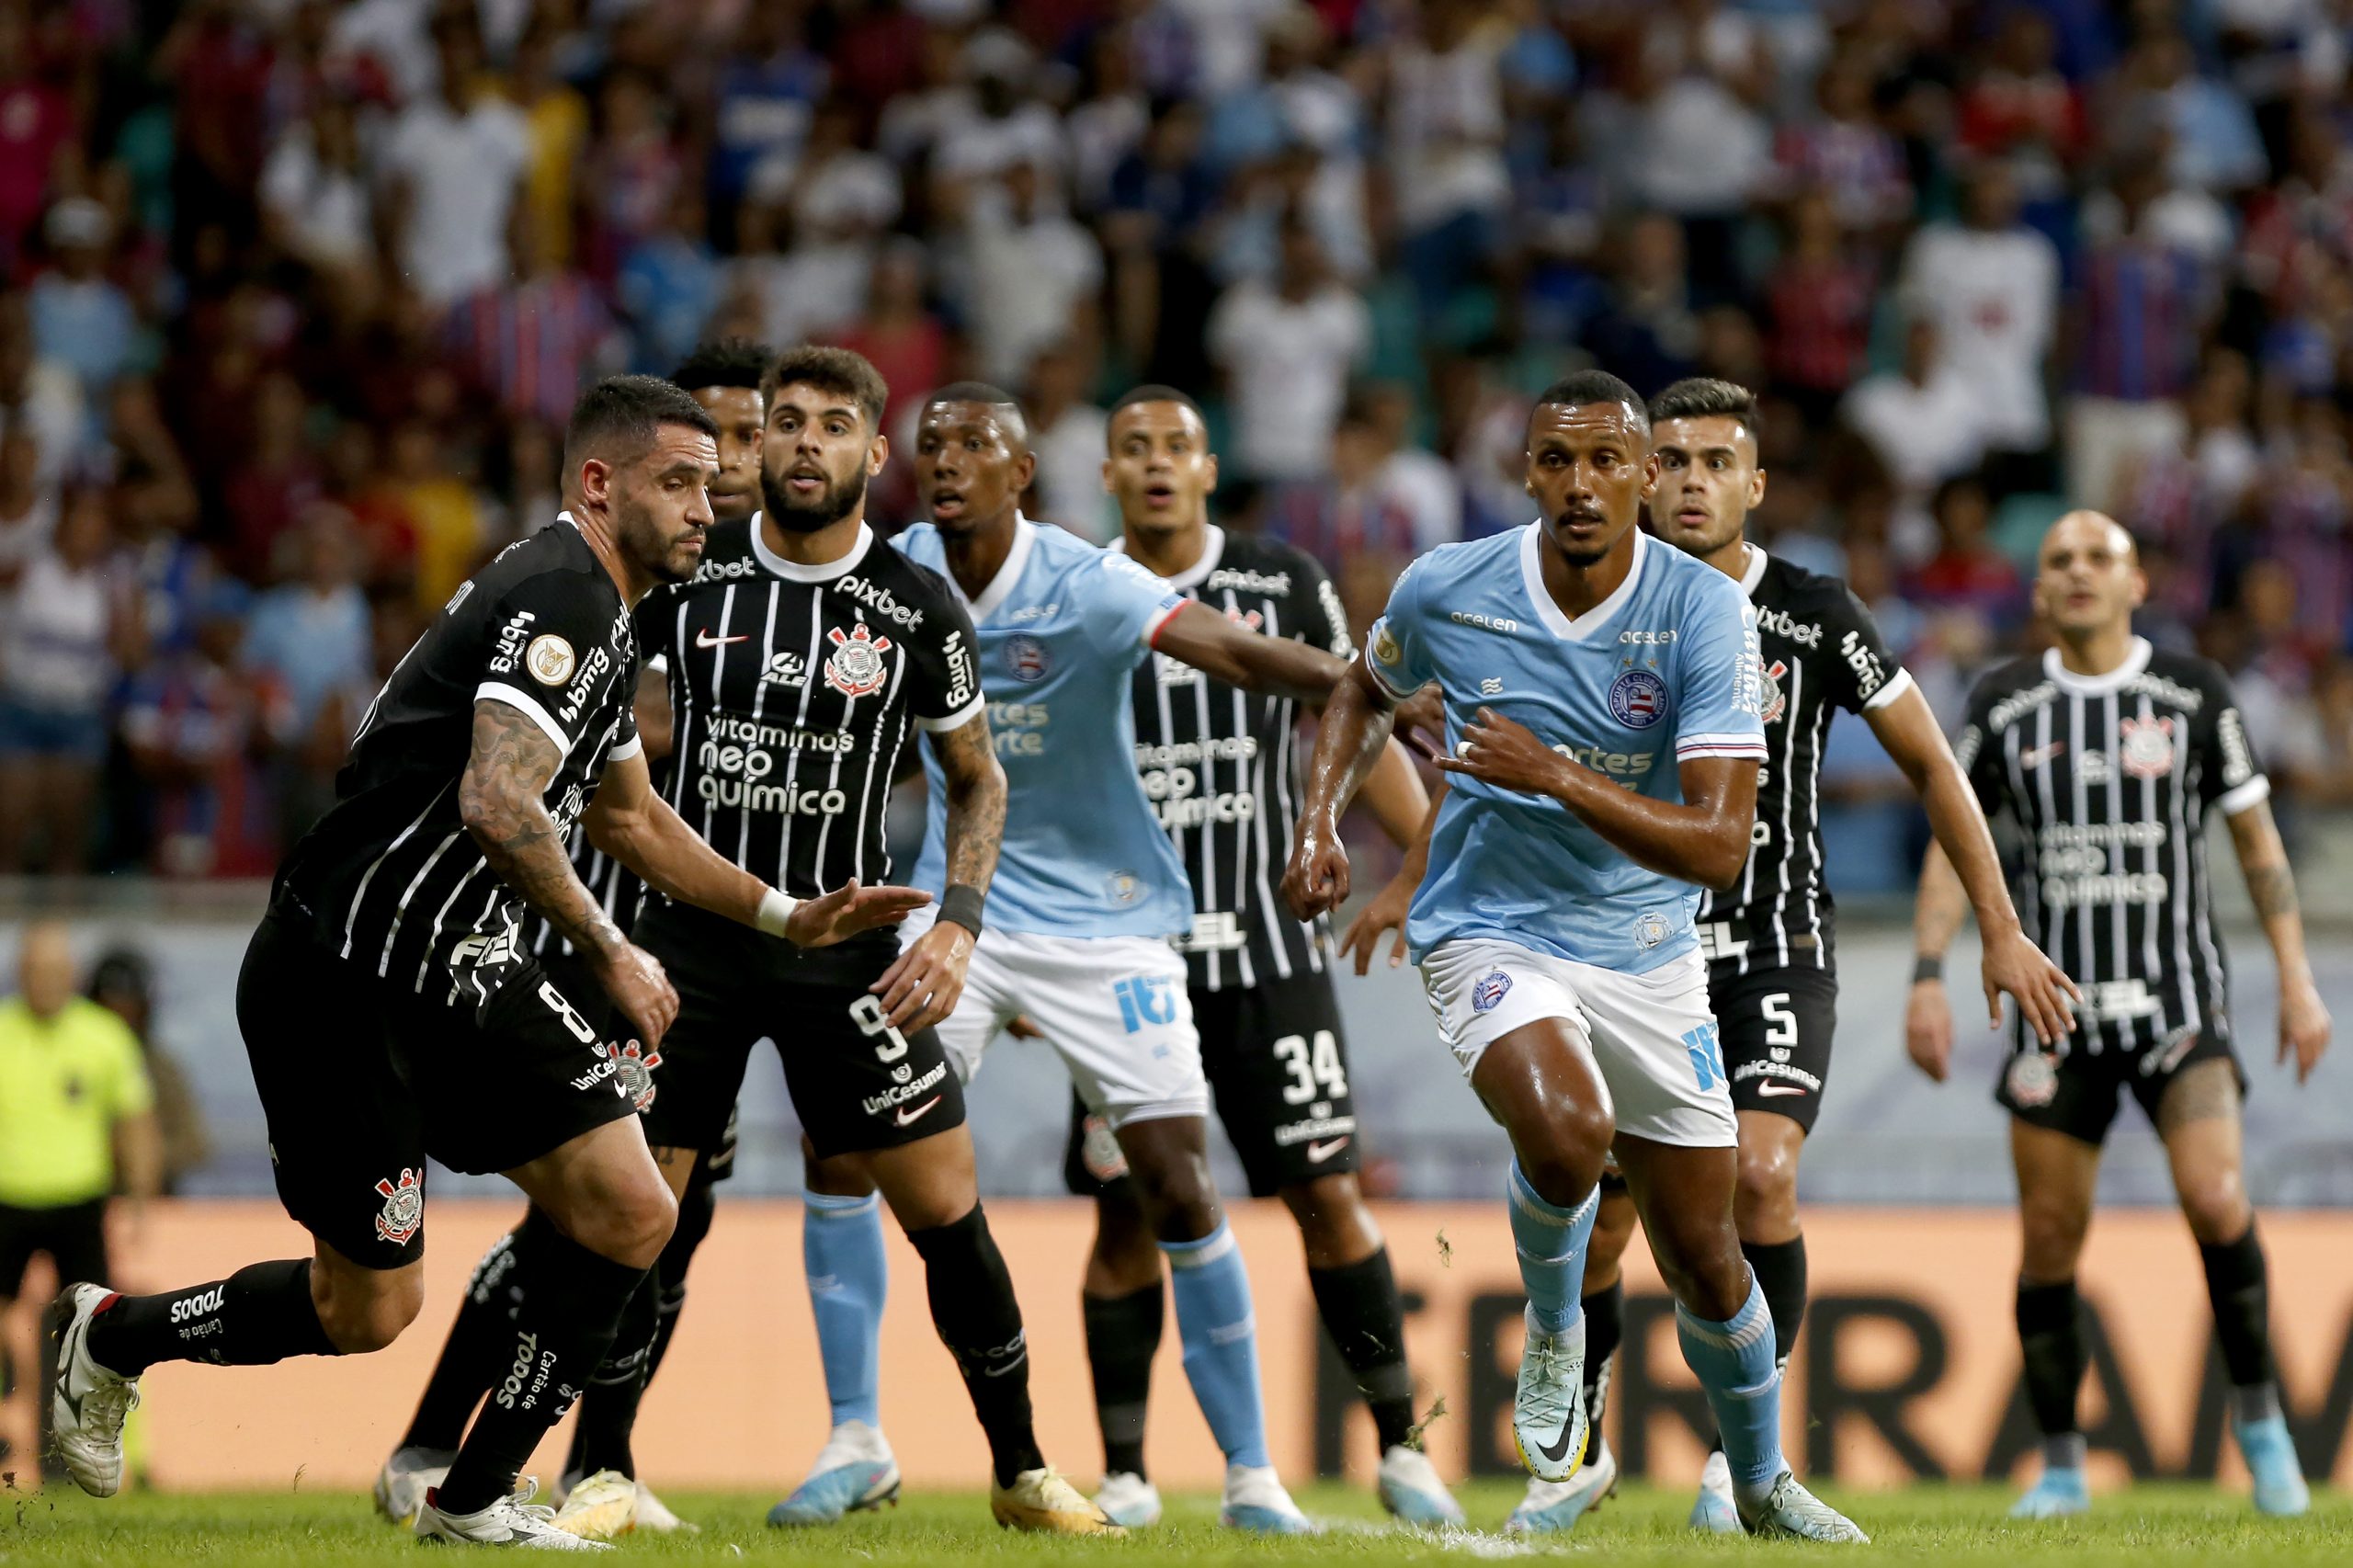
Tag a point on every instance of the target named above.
point(1088, 888)
point(1602, 716)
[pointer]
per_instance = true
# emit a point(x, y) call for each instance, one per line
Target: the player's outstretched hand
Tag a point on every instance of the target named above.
point(1506, 754)
point(2303, 1027)
point(922, 987)
point(1383, 910)
point(2045, 996)
point(1316, 880)
point(848, 910)
point(1928, 1028)
point(634, 979)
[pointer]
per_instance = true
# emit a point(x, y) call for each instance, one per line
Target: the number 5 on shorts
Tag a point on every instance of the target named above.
point(871, 1021)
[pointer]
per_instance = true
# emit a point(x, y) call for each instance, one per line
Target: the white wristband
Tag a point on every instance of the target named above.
point(776, 912)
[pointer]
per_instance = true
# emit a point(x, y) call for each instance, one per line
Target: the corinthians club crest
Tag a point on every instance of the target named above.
point(1776, 700)
point(2145, 746)
point(403, 1207)
point(633, 1068)
point(856, 667)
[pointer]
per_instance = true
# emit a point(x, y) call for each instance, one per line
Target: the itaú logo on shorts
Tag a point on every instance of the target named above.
point(900, 1093)
point(1145, 999)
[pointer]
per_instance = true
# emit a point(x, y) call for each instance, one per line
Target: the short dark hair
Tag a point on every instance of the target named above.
point(988, 396)
point(842, 371)
point(1581, 388)
point(1705, 397)
point(725, 362)
point(618, 418)
point(1152, 392)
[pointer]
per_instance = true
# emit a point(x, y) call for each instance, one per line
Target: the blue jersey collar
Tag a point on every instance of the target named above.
point(1000, 588)
point(1531, 573)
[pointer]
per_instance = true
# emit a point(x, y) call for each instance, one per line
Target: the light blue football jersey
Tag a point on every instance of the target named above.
point(1662, 670)
point(1062, 631)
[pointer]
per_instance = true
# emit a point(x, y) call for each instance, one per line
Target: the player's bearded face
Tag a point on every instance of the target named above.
point(662, 506)
point(815, 457)
point(1590, 469)
point(804, 494)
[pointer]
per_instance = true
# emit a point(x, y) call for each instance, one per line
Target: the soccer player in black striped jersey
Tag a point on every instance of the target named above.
point(724, 378)
point(392, 1011)
point(2110, 754)
point(1772, 979)
point(1221, 768)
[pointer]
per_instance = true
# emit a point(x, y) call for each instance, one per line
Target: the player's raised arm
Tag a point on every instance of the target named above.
point(1223, 650)
point(634, 826)
point(1907, 729)
point(1355, 731)
point(922, 987)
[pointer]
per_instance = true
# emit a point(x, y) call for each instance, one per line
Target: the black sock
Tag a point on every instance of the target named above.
point(258, 1315)
point(568, 1301)
point(601, 1438)
point(2051, 1335)
point(479, 1339)
point(973, 1308)
point(1605, 1322)
point(2240, 1291)
point(1367, 1322)
point(1122, 1337)
point(1779, 1268)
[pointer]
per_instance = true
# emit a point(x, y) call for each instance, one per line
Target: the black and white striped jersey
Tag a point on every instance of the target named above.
point(1819, 651)
point(390, 876)
point(615, 888)
point(2110, 778)
point(793, 690)
point(1221, 765)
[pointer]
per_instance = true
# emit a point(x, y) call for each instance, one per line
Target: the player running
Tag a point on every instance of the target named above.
point(724, 378)
point(1090, 889)
point(1772, 975)
point(2109, 753)
point(392, 1011)
point(1219, 768)
point(1577, 657)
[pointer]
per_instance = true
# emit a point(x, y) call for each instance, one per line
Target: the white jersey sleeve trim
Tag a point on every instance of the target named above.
point(2251, 793)
point(515, 696)
point(1897, 684)
point(1160, 622)
point(1720, 745)
point(956, 721)
point(627, 749)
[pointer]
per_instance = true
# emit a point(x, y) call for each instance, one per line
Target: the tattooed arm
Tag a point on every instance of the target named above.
point(2303, 1021)
point(501, 800)
point(923, 986)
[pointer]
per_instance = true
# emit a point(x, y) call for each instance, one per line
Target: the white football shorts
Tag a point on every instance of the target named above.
point(1115, 1008)
point(1651, 1035)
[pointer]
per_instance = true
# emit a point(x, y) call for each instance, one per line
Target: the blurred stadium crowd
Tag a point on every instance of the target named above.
point(294, 295)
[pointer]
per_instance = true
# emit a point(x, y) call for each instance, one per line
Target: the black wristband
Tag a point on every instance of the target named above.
point(1928, 966)
point(961, 903)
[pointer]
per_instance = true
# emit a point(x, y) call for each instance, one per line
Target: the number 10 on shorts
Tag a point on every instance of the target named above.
point(1707, 1055)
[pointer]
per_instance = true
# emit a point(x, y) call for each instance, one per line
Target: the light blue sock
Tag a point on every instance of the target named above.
point(841, 1248)
point(1735, 1363)
point(1551, 1243)
point(1221, 1341)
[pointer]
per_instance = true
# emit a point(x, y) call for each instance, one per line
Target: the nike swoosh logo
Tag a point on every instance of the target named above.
point(2041, 755)
point(909, 1118)
point(1769, 1089)
point(705, 640)
point(1319, 1153)
point(1554, 1453)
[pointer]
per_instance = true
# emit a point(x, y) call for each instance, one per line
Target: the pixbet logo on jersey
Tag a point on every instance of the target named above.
point(856, 667)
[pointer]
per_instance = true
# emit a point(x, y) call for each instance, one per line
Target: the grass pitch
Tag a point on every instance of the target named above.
point(2148, 1526)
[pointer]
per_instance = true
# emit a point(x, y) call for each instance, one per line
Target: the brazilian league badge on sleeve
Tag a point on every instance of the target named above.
point(403, 1207)
point(1637, 699)
point(2034, 1079)
point(1490, 990)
